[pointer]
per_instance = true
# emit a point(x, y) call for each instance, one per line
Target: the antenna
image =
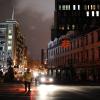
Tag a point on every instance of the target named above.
point(13, 14)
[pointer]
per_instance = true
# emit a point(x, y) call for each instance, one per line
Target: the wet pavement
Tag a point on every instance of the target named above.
point(49, 92)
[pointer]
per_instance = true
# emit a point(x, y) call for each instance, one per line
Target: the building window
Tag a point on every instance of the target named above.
point(78, 43)
point(81, 42)
point(63, 7)
point(9, 36)
point(97, 13)
point(93, 7)
point(9, 48)
point(87, 13)
point(9, 42)
point(62, 28)
point(78, 57)
point(88, 7)
point(59, 7)
point(10, 31)
point(78, 7)
point(92, 13)
point(99, 52)
point(68, 27)
point(67, 7)
point(86, 39)
point(92, 53)
point(98, 7)
point(85, 7)
point(81, 56)
point(98, 32)
point(73, 27)
point(1, 48)
point(92, 38)
point(74, 7)
point(87, 55)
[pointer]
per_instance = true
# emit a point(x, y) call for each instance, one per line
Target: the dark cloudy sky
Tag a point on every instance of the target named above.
point(35, 18)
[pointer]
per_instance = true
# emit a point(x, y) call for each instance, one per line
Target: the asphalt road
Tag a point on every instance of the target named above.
point(49, 92)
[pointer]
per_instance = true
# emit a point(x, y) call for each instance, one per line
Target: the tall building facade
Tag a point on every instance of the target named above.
point(81, 16)
point(11, 44)
point(79, 22)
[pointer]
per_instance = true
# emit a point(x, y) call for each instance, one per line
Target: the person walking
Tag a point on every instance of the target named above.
point(27, 79)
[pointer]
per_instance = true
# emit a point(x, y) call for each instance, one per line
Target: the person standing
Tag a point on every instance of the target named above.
point(27, 79)
point(1, 76)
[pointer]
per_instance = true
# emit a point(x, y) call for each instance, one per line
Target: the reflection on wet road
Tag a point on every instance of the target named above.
point(54, 92)
point(50, 92)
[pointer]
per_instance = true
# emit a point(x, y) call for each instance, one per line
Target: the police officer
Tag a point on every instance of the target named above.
point(27, 79)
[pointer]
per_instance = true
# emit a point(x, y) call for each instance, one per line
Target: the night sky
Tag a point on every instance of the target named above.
point(35, 18)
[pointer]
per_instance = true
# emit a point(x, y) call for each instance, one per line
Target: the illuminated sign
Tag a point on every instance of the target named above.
point(65, 43)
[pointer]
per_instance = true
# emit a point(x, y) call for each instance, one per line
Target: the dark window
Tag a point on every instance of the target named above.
point(98, 32)
point(92, 38)
point(92, 52)
point(1, 48)
point(2, 36)
point(87, 55)
point(81, 41)
point(78, 57)
point(77, 43)
point(81, 56)
point(86, 39)
point(99, 52)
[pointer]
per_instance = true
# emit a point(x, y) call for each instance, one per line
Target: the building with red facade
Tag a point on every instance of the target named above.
point(78, 22)
point(81, 57)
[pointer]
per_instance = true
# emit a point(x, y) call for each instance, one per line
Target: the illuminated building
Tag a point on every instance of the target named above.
point(79, 22)
point(11, 43)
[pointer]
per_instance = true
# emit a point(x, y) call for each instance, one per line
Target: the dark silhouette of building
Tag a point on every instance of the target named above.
point(79, 22)
point(75, 15)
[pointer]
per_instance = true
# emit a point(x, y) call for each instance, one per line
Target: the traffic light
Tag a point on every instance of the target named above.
point(65, 43)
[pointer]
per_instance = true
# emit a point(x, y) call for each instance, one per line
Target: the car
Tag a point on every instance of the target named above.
point(45, 79)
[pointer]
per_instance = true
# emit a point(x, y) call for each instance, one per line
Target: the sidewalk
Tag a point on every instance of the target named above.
point(11, 88)
point(83, 83)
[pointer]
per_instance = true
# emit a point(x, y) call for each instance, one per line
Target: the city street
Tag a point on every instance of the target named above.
point(49, 92)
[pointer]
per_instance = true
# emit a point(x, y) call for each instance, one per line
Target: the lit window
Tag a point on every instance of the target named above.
point(92, 13)
point(93, 7)
point(63, 7)
point(9, 47)
point(73, 27)
point(67, 7)
point(87, 13)
point(59, 7)
point(62, 28)
point(67, 27)
point(88, 7)
point(9, 42)
point(9, 36)
point(74, 7)
point(9, 31)
point(78, 7)
point(97, 13)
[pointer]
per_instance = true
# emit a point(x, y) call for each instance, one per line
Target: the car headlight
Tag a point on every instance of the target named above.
point(51, 79)
point(43, 79)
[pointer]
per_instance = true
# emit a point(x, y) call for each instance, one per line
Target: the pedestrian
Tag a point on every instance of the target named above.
point(27, 79)
point(1, 76)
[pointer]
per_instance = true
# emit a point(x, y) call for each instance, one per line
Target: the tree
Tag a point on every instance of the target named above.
point(9, 61)
point(9, 75)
